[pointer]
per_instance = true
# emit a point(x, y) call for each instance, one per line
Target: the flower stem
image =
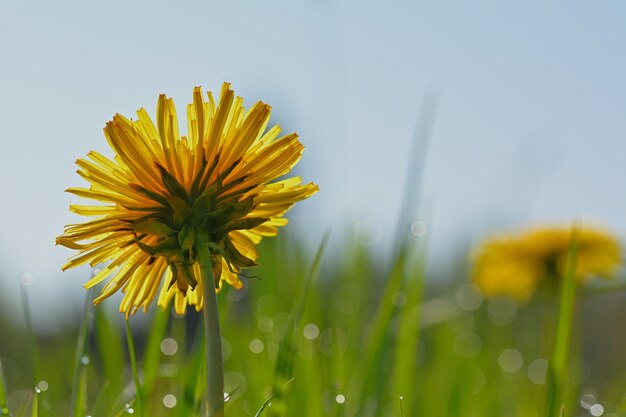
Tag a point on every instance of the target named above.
point(214, 362)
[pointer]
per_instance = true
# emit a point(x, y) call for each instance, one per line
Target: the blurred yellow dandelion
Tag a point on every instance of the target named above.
point(167, 195)
point(515, 264)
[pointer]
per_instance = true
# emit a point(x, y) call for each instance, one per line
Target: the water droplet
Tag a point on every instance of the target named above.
point(169, 346)
point(37, 390)
point(469, 297)
point(85, 360)
point(538, 370)
point(226, 397)
point(511, 360)
point(130, 411)
point(43, 385)
point(596, 410)
point(587, 400)
point(419, 228)
point(340, 399)
point(311, 331)
point(398, 299)
point(27, 279)
point(169, 401)
point(256, 346)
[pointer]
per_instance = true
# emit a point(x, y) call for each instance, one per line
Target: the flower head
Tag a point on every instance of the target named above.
point(515, 264)
point(168, 196)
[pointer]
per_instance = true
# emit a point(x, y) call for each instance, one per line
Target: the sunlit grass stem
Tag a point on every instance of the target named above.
point(565, 317)
point(134, 369)
point(4, 410)
point(32, 340)
point(214, 361)
point(288, 347)
point(78, 382)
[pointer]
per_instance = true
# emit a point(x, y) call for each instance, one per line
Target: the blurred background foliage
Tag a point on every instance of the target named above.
point(369, 342)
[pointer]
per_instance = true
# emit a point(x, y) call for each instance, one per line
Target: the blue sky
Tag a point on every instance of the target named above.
point(530, 124)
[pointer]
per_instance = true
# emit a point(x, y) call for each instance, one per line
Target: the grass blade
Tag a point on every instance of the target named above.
point(287, 349)
point(152, 354)
point(133, 364)
point(269, 400)
point(78, 401)
point(111, 353)
point(32, 341)
point(4, 409)
point(35, 408)
point(407, 338)
point(361, 382)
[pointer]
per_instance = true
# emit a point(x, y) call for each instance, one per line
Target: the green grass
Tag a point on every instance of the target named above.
point(355, 341)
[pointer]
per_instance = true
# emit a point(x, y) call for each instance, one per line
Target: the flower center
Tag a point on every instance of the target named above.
point(183, 222)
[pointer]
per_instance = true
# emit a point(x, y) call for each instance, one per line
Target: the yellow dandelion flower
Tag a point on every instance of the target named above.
point(514, 265)
point(168, 195)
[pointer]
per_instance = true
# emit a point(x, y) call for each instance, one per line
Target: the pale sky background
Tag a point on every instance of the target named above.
point(530, 126)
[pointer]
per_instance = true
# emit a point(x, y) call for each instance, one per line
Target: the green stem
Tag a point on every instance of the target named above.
point(32, 339)
point(78, 392)
point(214, 361)
point(133, 365)
point(565, 318)
point(4, 410)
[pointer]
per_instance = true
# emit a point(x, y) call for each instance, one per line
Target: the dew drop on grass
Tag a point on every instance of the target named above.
point(42, 385)
point(169, 400)
point(311, 331)
point(235, 383)
point(169, 346)
point(511, 360)
point(340, 399)
point(596, 410)
point(537, 371)
point(587, 400)
point(84, 360)
point(256, 346)
point(419, 228)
